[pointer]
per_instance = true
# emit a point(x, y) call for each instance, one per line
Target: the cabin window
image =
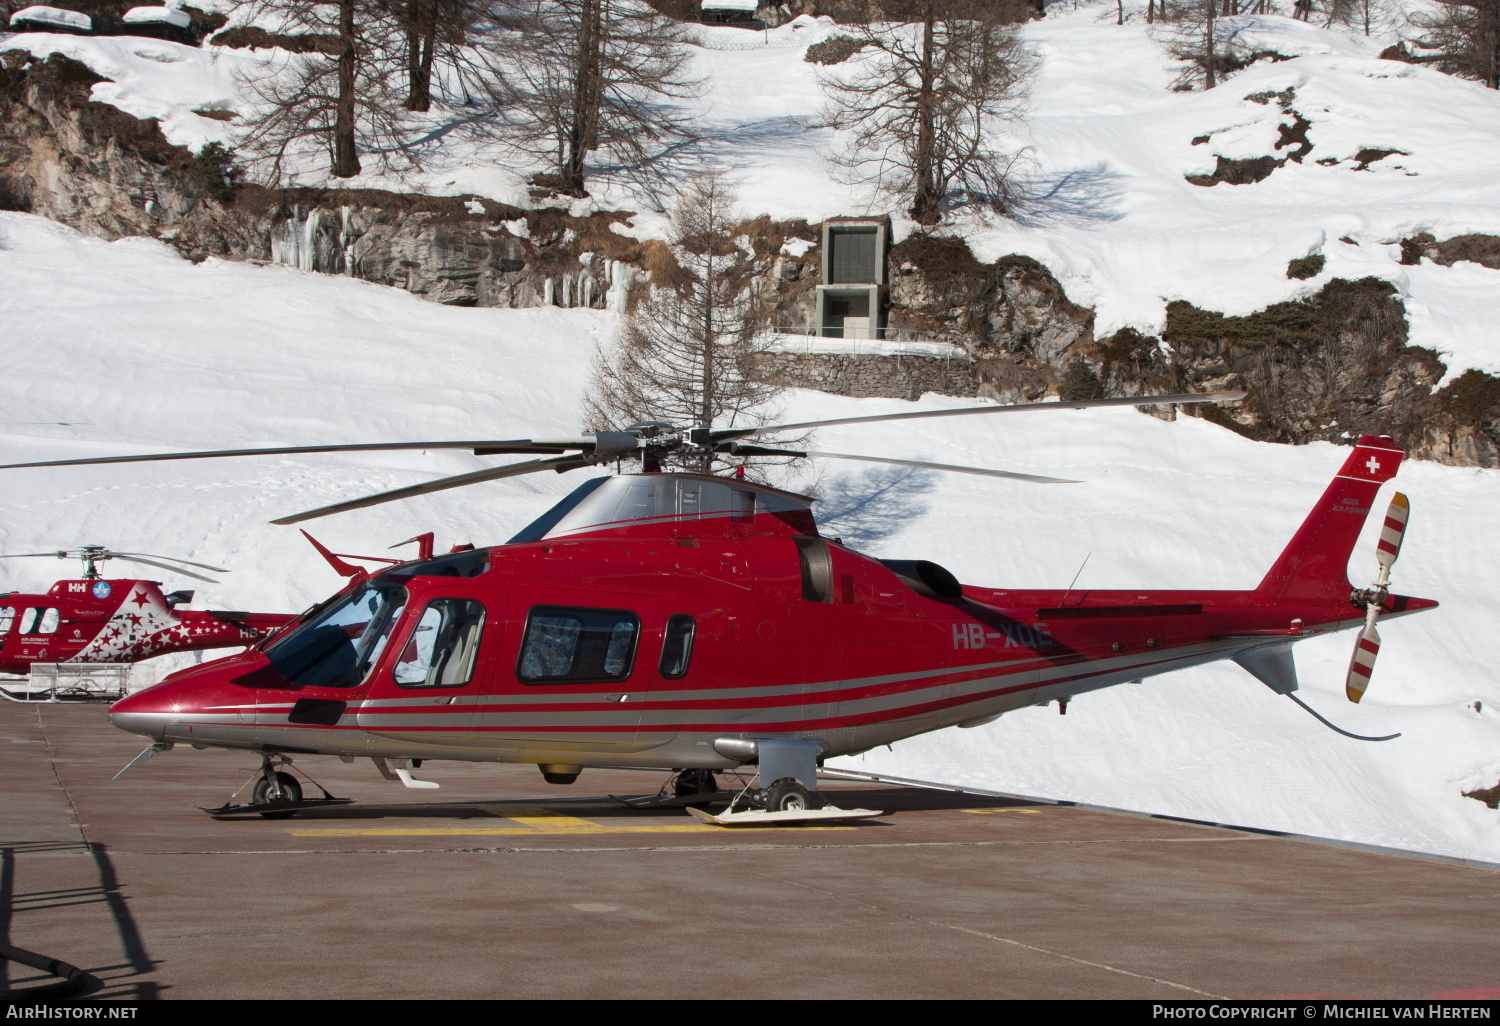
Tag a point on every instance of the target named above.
point(7, 617)
point(574, 646)
point(337, 648)
point(677, 646)
point(442, 648)
point(38, 620)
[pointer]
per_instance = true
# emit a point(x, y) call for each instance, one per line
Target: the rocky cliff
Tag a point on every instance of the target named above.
point(91, 166)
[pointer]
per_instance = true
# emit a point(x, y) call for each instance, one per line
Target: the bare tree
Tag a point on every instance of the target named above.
point(1200, 36)
point(1466, 37)
point(583, 76)
point(429, 27)
point(684, 351)
point(333, 101)
point(922, 102)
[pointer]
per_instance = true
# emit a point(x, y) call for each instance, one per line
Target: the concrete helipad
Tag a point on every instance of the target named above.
point(500, 885)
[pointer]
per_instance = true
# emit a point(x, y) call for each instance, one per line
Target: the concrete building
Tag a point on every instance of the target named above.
point(851, 300)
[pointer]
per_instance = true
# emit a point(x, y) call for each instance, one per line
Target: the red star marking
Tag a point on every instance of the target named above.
point(140, 598)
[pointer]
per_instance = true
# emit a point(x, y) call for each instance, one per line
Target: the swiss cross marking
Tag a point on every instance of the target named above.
point(1373, 464)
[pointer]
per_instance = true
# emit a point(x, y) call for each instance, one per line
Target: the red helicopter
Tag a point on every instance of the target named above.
point(697, 624)
point(92, 619)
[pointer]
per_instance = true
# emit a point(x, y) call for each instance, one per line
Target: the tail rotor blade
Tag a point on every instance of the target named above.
point(1362, 663)
point(1391, 535)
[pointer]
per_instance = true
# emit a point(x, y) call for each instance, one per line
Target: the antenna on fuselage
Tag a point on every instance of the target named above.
point(1075, 578)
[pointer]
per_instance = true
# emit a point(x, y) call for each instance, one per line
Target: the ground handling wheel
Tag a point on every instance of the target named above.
point(788, 795)
point(286, 788)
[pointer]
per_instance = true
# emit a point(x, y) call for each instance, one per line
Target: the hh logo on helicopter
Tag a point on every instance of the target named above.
point(1016, 635)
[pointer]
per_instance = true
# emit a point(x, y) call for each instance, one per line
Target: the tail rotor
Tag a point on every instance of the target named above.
point(1367, 645)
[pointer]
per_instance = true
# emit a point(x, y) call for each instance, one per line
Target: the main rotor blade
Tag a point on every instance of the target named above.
point(559, 464)
point(1012, 475)
point(519, 445)
point(44, 555)
point(161, 566)
point(1086, 404)
point(172, 559)
point(763, 450)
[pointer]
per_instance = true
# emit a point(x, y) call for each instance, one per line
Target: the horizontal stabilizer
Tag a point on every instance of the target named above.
point(1272, 665)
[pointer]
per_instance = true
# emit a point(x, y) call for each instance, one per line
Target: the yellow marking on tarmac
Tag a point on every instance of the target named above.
point(533, 820)
point(991, 812)
point(593, 828)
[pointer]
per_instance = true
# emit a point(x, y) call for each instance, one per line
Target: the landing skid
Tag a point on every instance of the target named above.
point(760, 817)
point(229, 810)
point(678, 801)
point(278, 794)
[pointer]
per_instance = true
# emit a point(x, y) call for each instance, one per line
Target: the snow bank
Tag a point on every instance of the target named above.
point(53, 16)
point(154, 78)
point(157, 16)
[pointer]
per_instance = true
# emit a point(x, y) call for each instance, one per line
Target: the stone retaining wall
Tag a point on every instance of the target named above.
point(900, 377)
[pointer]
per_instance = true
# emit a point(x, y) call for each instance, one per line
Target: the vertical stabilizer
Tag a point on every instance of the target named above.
point(1314, 566)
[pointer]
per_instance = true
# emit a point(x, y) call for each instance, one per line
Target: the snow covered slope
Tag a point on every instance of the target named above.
point(1108, 208)
point(123, 347)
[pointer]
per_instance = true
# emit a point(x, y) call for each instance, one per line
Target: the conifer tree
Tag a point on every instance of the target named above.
point(685, 346)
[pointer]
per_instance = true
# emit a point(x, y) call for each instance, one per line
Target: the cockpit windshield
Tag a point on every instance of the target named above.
point(336, 648)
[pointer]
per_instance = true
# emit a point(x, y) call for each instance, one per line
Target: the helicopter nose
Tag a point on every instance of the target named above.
point(145, 713)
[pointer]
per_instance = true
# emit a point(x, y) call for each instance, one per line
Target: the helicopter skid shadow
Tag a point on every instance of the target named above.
point(604, 809)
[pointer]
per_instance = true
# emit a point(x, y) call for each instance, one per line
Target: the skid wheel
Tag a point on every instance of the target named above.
point(788, 795)
point(287, 789)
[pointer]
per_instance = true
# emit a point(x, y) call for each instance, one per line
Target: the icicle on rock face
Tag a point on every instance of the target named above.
point(286, 244)
point(308, 257)
point(619, 289)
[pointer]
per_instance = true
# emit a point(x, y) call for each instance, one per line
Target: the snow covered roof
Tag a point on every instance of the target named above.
point(54, 16)
point(157, 16)
point(730, 5)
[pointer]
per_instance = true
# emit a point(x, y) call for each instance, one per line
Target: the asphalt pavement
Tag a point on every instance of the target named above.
point(499, 885)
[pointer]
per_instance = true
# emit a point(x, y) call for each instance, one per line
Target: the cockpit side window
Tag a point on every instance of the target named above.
point(566, 645)
point(337, 648)
point(442, 648)
point(7, 617)
point(39, 620)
